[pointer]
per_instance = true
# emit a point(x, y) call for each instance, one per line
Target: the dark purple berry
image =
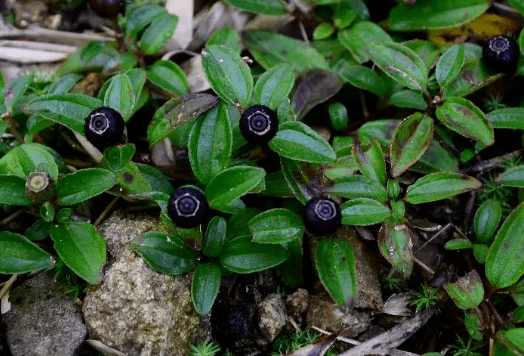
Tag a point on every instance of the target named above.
point(323, 216)
point(501, 54)
point(104, 127)
point(107, 8)
point(187, 207)
point(259, 124)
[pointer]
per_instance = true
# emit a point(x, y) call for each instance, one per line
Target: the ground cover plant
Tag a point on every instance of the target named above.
point(361, 119)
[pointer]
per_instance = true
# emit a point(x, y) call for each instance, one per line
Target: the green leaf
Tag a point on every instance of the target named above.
point(270, 49)
point(274, 85)
point(226, 36)
point(231, 184)
point(371, 163)
point(344, 16)
point(408, 99)
point(395, 243)
point(358, 187)
point(505, 261)
point(297, 141)
point(364, 78)
point(467, 292)
point(228, 74)
point(177, 112)
point(157, 180)
point(84, 184)
point(487, 219)
point(12, 191)
point(363, 211)
point(507, 118)
point(19, 255)
point(249, 257)
point(27, 158)
point(168, 76)
point(158, 33)
point(210, 143)
point(81, 248)
point(92, 57)
point(426, 50)
point(16, 89)
point(323, 31)
point(276, 186)
point(165, 253)
point(513, 339)
point(512, 177)
point(473, 76)
point(480, 251)
point(450, 64)
point(123, 62)
point(438, 186)
point(432, 15)
point(276, 226)
point(335, 262)
point(142, 17)
point(38, 231)
point(338, 115)
point(69, 110)
point(117, 157)
point(400, 63)
point(266, 7)
point(300, 177)
point(204, 288)
point(358, 36)
point(64, 84)
point(410, 141)
point(458, 244)
point(215, 237)
point(120, 96)
point(462, 116)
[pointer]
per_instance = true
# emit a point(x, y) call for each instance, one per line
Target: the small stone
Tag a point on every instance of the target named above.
point(43, 320)
point(272, 316)
point(297, 304)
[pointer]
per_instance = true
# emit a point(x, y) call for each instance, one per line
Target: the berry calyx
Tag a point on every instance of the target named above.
point(187, 207)
point(104, 127)
point(259, 124)
point(107, 8)
point(39, 187)
point(323, 216)
point(501, 54)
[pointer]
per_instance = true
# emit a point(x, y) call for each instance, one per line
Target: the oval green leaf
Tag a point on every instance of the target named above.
point(204, 288)
point(27, 158)
point(226, 36)
point(84, 184)
point(450, 64)
point(266, 7)
point(298, 141)
point(158, 33)
point(12, 191)
point(371, 163)
point(363, 211)
point(407, 98)
point(432, 15)
point(400, 63)
point(228, 74)
point(19, 255)
point(248, 257)
point(299, 178)
point(364, 78)
point(487, 219)
point(358, 36)
point(276, 226)
point(512, 177)
point(464, 117)
point(81, 248)
point(507, 118)
point(441, 185)
point(165, 253)
point(410, 141)
point(210, 143)
point(336, 266)
point(457, 244)
point(274, 85)
point(467, 292)
point(215, 237)
point(168, 76)
point(231, 184)
point(395, 243)
point(120, 96)
point(358, 187)
point(142, 17)
point(338, 115)
point(505, 261)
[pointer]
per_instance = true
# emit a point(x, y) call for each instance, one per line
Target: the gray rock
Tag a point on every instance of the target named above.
point(272, 316)
point(43, 320)
point(135, 309)
point(297, 303)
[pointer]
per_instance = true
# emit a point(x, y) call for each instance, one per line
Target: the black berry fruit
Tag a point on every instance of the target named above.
point(501, 54)
point(187, 207)
point(107, 8)
point(104, 127)
point(322, 216)
point(259, 124)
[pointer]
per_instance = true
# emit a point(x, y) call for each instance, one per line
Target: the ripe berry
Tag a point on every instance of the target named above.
point(104, 127)
point(107, 8)
point(187, 207)
point(259, 124)
point(323, 216)
point(501, 54)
